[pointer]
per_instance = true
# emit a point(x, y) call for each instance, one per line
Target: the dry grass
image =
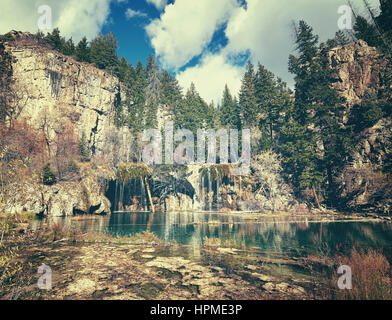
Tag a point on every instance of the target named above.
point(371, 276)
point(212, 242)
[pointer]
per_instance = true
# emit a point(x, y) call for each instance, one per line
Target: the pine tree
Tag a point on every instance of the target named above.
point(229, 111)
point(54, 39)
point(366, 114)
point(103, 51)
point(48, 178)
point(170, 94)
point(312, 143)
point(366, 31)
point(136, 98)
point(339, 40)
point(247, 97)
point(122, 70)
point(68, 48)
point(266, 93)
point(83, 148)
point(195, 113)
point(82, 51)
point(152, 92)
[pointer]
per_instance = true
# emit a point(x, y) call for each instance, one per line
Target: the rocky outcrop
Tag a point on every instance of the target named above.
point(358, 68)
point(67, 198)
point(362, 185)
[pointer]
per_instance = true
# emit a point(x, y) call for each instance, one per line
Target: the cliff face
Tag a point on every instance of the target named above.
point(362, 184)
point(358, 67)
point(61, 93)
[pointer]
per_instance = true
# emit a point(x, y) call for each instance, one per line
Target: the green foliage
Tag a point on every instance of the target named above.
point(68, 48)
point(247, 97)
point(340, 39)
point(128, 171)
point(195, 113)
point(122, 70)
point(171, 93)
point(54, 39)
point(83, 148)
point(82, 51)
point(152, 92)
point(366, 31)
point(48, 178)
point(366, 114)
point(103, 51)
point(229, 111)
point(313, 143)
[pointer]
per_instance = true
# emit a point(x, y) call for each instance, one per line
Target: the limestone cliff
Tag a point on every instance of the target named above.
point(61, 90)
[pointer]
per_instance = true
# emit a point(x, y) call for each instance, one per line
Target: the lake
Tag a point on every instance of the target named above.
point(299, 235)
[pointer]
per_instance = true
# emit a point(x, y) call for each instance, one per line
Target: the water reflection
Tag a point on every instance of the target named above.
point(270, 235)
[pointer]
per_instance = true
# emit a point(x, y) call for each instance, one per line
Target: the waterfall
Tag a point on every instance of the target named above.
point(143, 195)
point(210, 197)
point(217, 189)
point(115, 207)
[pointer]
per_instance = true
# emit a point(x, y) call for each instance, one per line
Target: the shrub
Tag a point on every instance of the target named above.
point(371, 276)
point(48, 178)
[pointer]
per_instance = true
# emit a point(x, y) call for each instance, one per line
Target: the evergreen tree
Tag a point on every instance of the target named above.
point(247, 97)
point(170, 94)
point(68, 48)
point(48, 178)
point(265, 98)
point(195, 113)
point(123, 70)
point(82, 51)
point(229, 111)
point(339, 40)
point(152, 92)
point(103, 51)
point(312, 143)
point(136, 98)
point(83, 148)
point(366, 114)
point(366, 31)
point(384, 20)
point(54, 39)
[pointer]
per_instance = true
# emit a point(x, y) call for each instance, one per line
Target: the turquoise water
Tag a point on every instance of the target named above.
point(296, 235)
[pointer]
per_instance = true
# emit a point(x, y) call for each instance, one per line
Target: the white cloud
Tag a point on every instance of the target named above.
point(264, 29)
point(129, 14)
point(76, 18)
point(186, 28)
point(159, 4)
point(211, 75)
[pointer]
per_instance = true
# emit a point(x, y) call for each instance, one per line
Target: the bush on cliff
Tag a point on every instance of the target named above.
point(48, 178)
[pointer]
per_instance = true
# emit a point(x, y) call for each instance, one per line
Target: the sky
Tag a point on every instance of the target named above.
point(208, 42)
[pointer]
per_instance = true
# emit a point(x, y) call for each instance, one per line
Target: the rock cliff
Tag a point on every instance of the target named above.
point(358, 67)
point(60, 90)
point(62, 93)
point(362, 184)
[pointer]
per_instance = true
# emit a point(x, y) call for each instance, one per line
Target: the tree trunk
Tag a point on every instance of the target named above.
point(149, 195)
point(316, 197)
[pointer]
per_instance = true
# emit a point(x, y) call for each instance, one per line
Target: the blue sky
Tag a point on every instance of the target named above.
point(207, 42)
point(134, 44)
